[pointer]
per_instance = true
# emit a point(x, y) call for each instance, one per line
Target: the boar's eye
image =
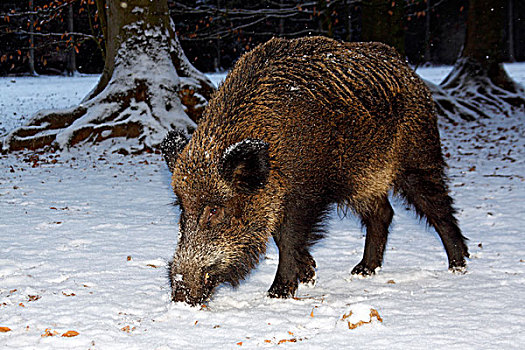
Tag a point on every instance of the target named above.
point(213, 215)
point(212, 212)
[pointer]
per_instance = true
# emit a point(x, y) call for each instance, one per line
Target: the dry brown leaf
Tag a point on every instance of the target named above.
point(375, 313)
point(34, 297)
point(5, 329)
point(355, 325)
point(345, 316)
point(70, 334)
point(49, 333)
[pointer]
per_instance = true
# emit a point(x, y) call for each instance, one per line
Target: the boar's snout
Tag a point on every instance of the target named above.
point(194, 289)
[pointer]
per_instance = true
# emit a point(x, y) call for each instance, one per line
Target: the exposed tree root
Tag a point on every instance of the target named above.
point(471, 91)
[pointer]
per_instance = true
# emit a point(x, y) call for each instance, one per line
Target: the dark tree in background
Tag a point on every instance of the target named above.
point(384, 21)
point(49, 37)
point(214, 33)
point(147, 88)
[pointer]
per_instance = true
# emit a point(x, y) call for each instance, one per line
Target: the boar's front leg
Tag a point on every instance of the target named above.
point(300, 228)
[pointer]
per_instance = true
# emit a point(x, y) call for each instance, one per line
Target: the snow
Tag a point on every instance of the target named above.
point(85, 238)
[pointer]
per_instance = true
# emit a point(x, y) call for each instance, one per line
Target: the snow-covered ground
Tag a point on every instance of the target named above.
point(84, 239)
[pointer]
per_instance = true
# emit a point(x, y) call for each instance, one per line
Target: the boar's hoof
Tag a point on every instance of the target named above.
point(458, 267)
point(282, 290)
point(307, 273)
point(363, 270)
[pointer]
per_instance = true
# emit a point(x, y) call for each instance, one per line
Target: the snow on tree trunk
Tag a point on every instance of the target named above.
point(478, 85)
point(148, 87)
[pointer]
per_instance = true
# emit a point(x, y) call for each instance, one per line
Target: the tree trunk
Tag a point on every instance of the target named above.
point(326, 26)
point(71, 59)
point(383, 21)
point(478, 81)
point(147, 88)
point(427, 56)
point(31, 40)
point(512, 57)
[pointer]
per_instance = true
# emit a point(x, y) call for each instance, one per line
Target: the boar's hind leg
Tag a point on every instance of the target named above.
point(299, 230)
point(427, 192)
point(376, 219)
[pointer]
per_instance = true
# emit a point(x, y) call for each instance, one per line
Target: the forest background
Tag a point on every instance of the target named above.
point(64, 37)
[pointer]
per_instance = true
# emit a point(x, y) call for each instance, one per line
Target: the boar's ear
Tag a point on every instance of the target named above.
point(172, 145)
point(246, 165)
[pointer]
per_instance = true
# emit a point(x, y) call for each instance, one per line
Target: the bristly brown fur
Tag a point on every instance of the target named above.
point(305, 123)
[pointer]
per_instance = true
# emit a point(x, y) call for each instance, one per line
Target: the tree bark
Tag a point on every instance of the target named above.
point(147, 88)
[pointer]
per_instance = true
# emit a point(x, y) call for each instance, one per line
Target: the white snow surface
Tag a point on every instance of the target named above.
point(84, 241)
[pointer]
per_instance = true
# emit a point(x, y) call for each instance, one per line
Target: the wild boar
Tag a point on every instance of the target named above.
point(298, 126)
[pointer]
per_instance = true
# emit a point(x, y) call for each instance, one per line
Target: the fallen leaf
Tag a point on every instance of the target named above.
point(239, 343)
point(34, 297)
point(345, 316)
point(154, 266)
point(49, 333)
point(5, 329)
point(293, 340)
point(374, 313)
point(70, 334)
